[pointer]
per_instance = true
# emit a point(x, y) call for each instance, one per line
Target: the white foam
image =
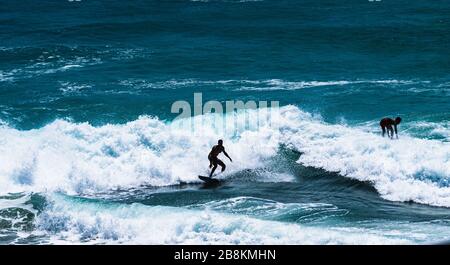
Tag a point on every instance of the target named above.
point(439, 130)
point(255, 85)
point(6, 76)
point(73, 87)
point(3, 123)
point(72, 221)
point(48, 64)
point(408, 169)
point(15, 202)
point(80, 158)
point(269, 209)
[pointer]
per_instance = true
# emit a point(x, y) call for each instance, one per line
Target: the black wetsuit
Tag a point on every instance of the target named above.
point(216, 150)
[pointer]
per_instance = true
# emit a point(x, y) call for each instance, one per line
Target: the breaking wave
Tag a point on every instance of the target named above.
point(80, 158)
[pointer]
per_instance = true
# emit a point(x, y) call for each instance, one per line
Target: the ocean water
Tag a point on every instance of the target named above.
point(91, 153)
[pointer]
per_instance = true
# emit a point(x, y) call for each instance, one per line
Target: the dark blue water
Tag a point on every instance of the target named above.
point(89, 151)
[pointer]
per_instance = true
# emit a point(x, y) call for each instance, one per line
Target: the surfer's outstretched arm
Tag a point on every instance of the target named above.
point(225, 153)
point(395, 128)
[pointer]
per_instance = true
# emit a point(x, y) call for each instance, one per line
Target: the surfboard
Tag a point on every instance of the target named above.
point(209, 180)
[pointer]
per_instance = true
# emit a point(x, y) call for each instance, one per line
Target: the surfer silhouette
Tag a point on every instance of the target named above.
point(214, 160)
point(387, 123)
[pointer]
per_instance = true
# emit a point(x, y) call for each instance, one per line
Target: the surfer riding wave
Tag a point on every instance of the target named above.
point(214, 160)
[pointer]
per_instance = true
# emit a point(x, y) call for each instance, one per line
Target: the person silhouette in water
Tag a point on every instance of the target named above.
point(387, 123)
point(213, 160)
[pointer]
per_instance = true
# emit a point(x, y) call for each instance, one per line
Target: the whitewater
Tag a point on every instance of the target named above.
point(80, 158)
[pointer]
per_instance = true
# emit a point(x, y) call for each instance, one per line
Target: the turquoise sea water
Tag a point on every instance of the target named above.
point(89, 151)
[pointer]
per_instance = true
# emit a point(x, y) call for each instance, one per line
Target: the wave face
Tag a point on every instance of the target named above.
point(80, 158)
